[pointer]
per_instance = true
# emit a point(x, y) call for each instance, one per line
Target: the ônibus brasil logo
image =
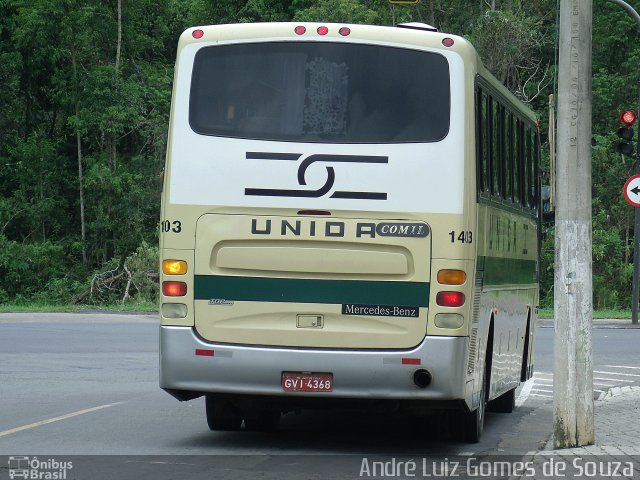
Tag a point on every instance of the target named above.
point(36, 469)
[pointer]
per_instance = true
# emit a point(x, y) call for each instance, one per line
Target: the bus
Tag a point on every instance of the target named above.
point(350, 218)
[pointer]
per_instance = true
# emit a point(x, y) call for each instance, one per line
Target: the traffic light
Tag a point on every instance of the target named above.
point(625, 145)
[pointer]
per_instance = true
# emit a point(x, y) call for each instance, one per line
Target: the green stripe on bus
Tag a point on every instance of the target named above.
point(508, 271)
point(259, 289)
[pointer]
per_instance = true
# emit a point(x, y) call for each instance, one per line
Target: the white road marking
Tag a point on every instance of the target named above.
point(542, 382)
point(616, 373)
point(57, 419)
point(613, 379)
point(525, 392)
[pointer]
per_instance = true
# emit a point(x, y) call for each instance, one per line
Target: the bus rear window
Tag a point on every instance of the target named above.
point(320, 92)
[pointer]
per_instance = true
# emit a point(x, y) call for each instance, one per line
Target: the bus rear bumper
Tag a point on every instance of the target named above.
point(257, 370)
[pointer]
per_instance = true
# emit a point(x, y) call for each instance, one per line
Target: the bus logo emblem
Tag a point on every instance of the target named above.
point(331, 175)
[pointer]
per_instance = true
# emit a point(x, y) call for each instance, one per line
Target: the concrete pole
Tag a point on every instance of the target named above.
point(573, 374)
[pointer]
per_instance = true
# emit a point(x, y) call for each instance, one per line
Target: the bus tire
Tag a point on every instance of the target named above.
point(505, 403)
point(262, 421)
point(472, 423)
point(222, 415)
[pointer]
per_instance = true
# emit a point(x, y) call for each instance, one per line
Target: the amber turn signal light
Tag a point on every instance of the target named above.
point(451, 277)
point(174, 267)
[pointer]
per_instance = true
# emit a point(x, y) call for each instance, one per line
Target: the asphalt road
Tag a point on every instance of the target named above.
point(75, 384)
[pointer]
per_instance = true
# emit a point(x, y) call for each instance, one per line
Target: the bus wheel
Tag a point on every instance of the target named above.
point(505, 403)
point(222, 415)
point(472, 423)
point(262, 421)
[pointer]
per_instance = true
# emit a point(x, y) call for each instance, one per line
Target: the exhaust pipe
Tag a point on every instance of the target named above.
point(422, 378)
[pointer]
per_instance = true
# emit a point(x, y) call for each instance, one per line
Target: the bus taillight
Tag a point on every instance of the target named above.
point(174, 289)
point(450, 299)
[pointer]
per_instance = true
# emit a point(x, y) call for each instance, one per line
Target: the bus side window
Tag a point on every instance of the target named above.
point(509, 155)
point(502, 177)
point(482, 141)
point(521, 164)
point(517, 145)
point(528, 162)
point(494, 148)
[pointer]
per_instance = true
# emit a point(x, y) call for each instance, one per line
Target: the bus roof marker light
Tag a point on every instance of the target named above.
point(447, 42)
point(344, 31)
point(323, 30)
point(197, 34)
point(300, 30)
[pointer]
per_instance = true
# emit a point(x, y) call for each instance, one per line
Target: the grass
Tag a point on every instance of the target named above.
point(29, 308)
point(597, 314)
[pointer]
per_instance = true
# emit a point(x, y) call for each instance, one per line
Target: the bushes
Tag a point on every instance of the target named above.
point(26, 269)
point(46, 273)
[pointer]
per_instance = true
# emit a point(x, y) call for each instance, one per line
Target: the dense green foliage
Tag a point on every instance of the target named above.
point(85, 90)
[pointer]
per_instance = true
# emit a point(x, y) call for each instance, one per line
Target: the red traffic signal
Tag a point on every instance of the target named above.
point(625, 145)
point(628, 117)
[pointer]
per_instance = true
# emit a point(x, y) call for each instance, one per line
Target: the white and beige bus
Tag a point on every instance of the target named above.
point(350, 216)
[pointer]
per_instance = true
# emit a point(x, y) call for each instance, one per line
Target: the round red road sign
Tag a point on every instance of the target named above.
point(632, 191)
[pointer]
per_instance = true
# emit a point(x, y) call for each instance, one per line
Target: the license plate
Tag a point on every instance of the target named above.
point(307, 382)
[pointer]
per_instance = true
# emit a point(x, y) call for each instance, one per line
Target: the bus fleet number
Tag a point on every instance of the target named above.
point(169, 226)
point(462, 237)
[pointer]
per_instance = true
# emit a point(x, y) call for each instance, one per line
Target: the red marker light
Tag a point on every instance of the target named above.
point(411, 361)
point(174, 289)
point(344, 31)
point(300, 30)
point(628, 117)
point(323, 30)
point(448, 42)
point(197, 34)
point(450, 299)
point(204, 353)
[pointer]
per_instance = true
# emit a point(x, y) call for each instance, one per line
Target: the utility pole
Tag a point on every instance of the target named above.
point(573, 290)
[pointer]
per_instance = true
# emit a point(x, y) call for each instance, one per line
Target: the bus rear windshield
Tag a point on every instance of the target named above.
point(320, 92)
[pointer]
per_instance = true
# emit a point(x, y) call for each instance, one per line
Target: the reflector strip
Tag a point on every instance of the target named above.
point(411, 361)
point(204, 353)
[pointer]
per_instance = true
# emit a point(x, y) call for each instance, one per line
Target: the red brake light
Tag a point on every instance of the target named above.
point(323, 30)
point(174, 289)
point(450, 299)
point(197, 34)
point(448, 42)
point(300, 30)
point(628, 117)
point(344, 31)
